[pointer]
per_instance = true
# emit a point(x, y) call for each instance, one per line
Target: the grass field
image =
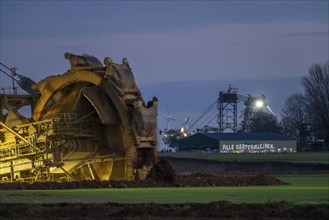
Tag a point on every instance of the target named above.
point(303, 189)
point(312, 157)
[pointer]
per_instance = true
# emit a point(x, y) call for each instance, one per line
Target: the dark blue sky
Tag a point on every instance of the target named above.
point(49, 19)
point(172, 41)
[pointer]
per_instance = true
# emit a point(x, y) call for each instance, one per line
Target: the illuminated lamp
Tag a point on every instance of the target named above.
point(259, 104)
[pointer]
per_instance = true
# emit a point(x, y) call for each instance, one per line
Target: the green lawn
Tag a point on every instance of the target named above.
point(304, 189)
point(310, 180)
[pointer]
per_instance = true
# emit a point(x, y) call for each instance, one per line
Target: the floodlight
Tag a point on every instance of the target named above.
point(259, 104)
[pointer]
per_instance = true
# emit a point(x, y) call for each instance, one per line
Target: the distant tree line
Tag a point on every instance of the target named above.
point(304, 116)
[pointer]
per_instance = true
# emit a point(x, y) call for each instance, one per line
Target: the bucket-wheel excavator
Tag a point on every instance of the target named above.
point(90, 123)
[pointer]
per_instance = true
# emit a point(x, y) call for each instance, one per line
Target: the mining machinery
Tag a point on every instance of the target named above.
point(89, 123)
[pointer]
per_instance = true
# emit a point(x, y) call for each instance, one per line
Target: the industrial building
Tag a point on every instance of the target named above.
point(238, 143)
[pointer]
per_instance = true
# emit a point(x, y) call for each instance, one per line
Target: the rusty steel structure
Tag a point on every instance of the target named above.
point(90, 123)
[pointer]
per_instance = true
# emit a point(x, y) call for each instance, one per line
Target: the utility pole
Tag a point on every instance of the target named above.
point(13, 73)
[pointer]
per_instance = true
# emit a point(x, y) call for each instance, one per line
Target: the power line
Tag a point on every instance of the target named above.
point(5, 66)
point(197, 119)
point(8, 75)
point(23, 82)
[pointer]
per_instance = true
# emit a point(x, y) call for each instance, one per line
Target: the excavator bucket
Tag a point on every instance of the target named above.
point(90, 123)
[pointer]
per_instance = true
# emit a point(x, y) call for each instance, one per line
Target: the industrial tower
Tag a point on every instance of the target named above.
point(227, 110)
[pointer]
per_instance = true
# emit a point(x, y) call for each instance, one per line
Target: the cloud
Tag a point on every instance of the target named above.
point(210, 53)
point(309, 34)
point(254, 50)
point(72, 19)
point(69, 47)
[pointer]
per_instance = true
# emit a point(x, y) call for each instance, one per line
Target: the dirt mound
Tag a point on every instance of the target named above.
point(162, 171)
point(196, 180)
point(213, 210)
point(161, 175)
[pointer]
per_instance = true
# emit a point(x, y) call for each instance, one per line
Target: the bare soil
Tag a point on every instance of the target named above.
point(197, 179)
point(214, 210)
point(161, 175)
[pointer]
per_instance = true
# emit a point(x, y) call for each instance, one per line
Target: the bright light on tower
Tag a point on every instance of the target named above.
point(259, 104)
point(183, 132)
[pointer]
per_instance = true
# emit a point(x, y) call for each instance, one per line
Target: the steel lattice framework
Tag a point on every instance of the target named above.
point(89, 123)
